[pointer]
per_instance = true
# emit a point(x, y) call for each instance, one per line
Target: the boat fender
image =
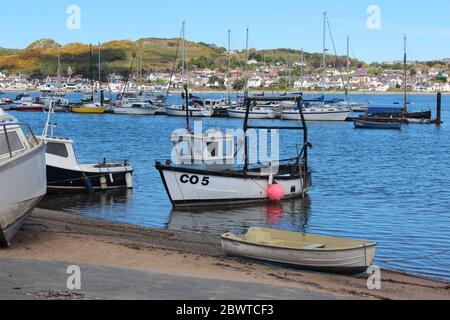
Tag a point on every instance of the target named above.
point(111, 178)
point(103, 183)
point(129, 180)
point(88, 184)
point(276, 192)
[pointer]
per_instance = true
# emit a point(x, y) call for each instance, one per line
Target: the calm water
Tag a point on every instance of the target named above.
point(386, 186)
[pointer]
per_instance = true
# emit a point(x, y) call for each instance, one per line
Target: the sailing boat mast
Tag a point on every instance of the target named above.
point(229, 65)
point(324, 58)
point(348, 69)
point(301, 70)
point(91, 71)
point(246, 65)
point(405, 106)
point(99, 63)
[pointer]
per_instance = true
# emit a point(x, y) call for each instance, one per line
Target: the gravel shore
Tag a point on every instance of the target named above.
point(191, 266)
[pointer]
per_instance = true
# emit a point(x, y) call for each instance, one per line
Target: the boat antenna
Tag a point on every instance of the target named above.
point(405, 101)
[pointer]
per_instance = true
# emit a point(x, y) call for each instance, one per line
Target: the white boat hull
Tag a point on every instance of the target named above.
point(196, 113)
point(252, 115)
point(27, 184)
point(355, 260)
point(317, 116)
point(197, 188)
point(135, 111)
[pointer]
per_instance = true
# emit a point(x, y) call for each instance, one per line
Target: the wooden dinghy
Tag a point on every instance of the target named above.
point(364, 124)
point(304, 251)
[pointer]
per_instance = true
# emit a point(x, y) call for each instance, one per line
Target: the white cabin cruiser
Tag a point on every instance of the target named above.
point(318, 113)
point(136, 108)
point(22, 175)
point(66, 175)
point(203, 181)
point(194, 111)
point(254, 113)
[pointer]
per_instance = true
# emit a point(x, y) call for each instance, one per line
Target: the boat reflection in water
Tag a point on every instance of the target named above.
point(103, 205)
point(292, 215)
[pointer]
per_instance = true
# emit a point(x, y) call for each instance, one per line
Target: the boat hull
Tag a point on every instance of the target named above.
point(192, 113)
point(194, 188)
point(28, 108)
point(251, 115)
point(135, 111)
point(27, 184)
point(317, 116)
point(361, 124)
point(88, 110)
point(61, 180)
point(350, 261)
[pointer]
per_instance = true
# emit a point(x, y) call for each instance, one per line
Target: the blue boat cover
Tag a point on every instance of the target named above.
point(378, 110)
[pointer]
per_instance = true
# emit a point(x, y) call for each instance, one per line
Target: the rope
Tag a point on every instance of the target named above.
point(417, 258)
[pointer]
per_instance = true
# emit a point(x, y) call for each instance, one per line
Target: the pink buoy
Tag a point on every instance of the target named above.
point(275, 192)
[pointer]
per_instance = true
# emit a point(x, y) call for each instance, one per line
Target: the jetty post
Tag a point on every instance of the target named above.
point(439, 109)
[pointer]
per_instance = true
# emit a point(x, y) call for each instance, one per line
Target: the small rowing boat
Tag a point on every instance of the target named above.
point(304, 251)
point(364, 124)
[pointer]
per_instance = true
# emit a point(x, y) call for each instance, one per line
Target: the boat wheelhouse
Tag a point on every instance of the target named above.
point(204, 184)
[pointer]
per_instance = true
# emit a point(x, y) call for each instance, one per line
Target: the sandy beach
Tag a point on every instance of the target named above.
point(167, 265)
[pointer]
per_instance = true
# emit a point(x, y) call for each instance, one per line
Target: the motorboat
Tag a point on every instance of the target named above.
point(303, 251)
point(66, 175)
point(254, 113)
point(209, 176)
point(22, 175)
point(136, 108)
point(220, 106)
point(318, 113)
point(353, 106)
point(194, 111)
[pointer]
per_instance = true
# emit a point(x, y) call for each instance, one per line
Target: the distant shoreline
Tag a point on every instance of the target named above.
point(202, 91)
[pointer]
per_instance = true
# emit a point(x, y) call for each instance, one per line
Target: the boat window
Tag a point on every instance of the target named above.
point(14, 141)
point(57, 149)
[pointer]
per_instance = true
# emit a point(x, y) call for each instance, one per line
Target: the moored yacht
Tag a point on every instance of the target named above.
point(136, 108)
point(194, 110)
point(22, 175)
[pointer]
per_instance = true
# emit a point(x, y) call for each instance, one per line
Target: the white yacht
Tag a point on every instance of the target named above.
point(22, 175)
point(318, 113)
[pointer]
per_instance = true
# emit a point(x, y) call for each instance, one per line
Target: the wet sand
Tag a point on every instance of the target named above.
point(57, 237)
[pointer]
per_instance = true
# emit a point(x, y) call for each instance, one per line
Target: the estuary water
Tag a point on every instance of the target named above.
point(386, 186)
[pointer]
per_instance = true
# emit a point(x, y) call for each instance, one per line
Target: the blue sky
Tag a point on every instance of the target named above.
point(273, 24)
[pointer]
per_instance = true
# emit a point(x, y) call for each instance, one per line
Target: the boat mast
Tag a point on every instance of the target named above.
point(99, 63)
point(348, 69)
point(229, 65)
point(405, 106)
point(91, 71)
point(59, 73)
point(324, 55)
point(246, 65)
point(301, 69)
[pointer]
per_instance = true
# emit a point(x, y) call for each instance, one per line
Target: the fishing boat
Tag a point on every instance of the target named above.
point(136, 108)
point(300, 250)
point(367, 124)
point(212, 181)
point(22, 175)
point(220, 107)
point(66, 175)
point(254, 113)
point(28, 107)
point(319, 113)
